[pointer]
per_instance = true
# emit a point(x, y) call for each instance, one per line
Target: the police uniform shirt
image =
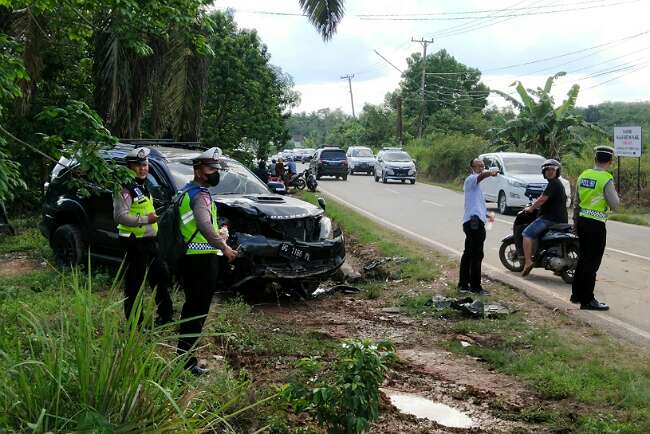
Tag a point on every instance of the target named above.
point(122, 207)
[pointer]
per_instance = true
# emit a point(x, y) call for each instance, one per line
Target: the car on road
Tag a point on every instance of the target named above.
point(279, 238)
point(306, 154)
point(394, 163)
point(329, 162)
point(520, 178)
point(360, 159)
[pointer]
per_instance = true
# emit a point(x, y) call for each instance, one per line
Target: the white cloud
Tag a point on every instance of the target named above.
point(316, 66)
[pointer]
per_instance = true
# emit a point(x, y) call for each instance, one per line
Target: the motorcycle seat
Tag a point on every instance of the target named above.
point(560, 227)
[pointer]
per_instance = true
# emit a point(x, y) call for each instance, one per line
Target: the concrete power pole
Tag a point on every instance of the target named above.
point(424, 43)
point(349, 77)
point(399, 120)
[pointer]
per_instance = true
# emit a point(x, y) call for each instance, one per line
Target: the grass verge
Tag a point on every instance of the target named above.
point(633, 219)
point(599, 385)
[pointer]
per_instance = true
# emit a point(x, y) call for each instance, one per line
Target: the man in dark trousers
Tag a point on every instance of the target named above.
point(595, 196)
point(135, 216)
point(552, 210)
point(205, 243)
point(474, 219)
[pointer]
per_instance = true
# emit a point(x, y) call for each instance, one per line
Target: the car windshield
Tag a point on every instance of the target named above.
point(235, 179)
point(396, 156)
point(523, 166)
point(332, 155)
point(362, 153)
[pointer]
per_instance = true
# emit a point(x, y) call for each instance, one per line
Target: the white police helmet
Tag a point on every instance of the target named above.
point(138, 155)
point(210, 158)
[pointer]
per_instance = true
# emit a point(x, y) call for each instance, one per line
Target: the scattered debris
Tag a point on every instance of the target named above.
point(346, 273)
point(423, 408)
point(378, 262)
point(392, 309)
point(465, 344)
point(469, 306)
point(345, 289)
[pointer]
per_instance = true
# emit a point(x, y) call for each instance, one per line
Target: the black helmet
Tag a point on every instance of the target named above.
point(552, 163)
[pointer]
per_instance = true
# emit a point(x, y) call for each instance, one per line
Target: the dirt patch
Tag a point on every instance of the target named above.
point(18, 265)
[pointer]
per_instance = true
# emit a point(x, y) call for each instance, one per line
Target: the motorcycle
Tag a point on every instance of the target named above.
point(557, 248)
point(312, 184)
point(297, 181)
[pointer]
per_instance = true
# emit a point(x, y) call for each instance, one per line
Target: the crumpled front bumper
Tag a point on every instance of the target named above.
point(261, 258)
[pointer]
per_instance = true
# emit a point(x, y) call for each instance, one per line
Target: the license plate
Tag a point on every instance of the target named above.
point(293, 252)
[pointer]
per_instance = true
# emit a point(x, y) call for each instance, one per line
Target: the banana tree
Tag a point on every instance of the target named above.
point(542, 128)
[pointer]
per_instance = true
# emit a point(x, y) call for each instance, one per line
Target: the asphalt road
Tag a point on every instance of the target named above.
point(433, 215)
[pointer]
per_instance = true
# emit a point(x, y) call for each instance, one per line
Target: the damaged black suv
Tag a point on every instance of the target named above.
point(279, 238)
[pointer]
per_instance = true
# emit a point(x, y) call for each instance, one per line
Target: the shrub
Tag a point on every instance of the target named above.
point(348, 402)
point(446, 157)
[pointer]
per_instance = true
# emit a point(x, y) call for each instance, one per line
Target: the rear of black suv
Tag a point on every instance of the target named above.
point(330, 162)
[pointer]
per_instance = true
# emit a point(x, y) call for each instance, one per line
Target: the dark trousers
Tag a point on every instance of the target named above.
point(199, 279)
point(143, 257)
point(470, 262)
point(593, 237)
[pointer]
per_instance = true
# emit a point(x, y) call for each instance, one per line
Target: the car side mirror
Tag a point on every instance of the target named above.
point(321, 203)
point(413, 161)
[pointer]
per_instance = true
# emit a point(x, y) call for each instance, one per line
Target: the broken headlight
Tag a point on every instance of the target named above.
point(326, 231)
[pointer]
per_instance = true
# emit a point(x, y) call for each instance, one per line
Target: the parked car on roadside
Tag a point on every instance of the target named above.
point(520, 178)
point(329, 162)
point(360, 159)
point(279, 238)
point(393, 163)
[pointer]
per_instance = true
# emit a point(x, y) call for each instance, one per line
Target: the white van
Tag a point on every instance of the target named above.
point(520, 176)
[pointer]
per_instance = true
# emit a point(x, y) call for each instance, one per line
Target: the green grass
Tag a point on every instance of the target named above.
point(28, 239)
point(633, 219)
point(560, 359)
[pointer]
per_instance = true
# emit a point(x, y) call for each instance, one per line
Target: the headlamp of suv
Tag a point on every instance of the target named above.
point(516, 183)
point(326, 231)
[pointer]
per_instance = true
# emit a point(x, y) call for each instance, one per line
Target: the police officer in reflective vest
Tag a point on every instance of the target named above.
point(200, 265)
point(135, 215)
point(595, 196)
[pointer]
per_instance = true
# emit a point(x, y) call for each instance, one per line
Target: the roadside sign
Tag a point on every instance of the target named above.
point(627, 141)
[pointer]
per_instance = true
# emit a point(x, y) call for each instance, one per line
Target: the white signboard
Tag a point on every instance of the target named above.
point(627, 141)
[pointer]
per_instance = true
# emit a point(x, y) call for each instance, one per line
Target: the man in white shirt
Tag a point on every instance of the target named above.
point(474, 219)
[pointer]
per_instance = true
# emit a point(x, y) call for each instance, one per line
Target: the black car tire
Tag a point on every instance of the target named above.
point(376, 178)
point(506, 252)
point(412, 181)
point(384, 179)
point(68, 246)
point(345, 177)
point(317, 176)
point(502, 204)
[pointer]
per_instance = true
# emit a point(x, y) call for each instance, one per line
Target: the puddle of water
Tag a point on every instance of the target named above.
point(426, 409)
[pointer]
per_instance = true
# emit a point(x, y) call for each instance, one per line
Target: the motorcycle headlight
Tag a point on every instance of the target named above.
point(326, 231)
point(516, 183)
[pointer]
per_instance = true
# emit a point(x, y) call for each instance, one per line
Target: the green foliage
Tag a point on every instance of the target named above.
point(446, 157)
point(246, 95)
point(542, 128)
point(69, 363)
point(346, 399)
point(81, 137)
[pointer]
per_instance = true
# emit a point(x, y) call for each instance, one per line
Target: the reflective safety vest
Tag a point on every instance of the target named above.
point(141, 205)
point(198, 245)
point(591, 193)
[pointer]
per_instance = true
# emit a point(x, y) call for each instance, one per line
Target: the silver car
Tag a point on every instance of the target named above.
point(394, 164)
point(360, 159)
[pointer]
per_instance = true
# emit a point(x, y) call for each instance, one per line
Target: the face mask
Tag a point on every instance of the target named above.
point(213, 179)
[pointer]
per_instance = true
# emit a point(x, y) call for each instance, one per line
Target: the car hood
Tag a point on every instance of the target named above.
point(272, 206)
point(529, 178)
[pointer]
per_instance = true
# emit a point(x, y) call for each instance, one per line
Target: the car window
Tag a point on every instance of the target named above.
point(362, 153)
point(332, 155)
point(396, 156)
point(523, 166)
point(235, 178)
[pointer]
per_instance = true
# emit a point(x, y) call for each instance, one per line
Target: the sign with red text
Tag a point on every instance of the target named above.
point(627, 141)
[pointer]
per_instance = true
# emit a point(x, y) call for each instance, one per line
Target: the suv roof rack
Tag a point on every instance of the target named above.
point(163, 142)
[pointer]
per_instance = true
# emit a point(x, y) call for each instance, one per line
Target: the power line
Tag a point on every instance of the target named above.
point(522, 14)
point(389, 62)
point(349, 77)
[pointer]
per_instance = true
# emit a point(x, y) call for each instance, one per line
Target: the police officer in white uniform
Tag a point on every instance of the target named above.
point(135, 216)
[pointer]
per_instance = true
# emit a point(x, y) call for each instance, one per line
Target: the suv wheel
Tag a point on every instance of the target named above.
point(502, 204)
point(68, 245)
point(345, 177)
point(384, 179)
point(412, 181)
point(317, 175)
point(376, 177)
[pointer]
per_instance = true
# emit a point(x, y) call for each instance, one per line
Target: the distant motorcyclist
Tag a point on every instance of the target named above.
point(552, 206)
point(279, 168)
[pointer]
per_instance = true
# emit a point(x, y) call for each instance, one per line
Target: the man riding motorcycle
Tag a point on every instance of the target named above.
point(552, 206)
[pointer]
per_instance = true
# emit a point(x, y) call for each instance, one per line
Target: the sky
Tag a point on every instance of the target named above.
point(609, 35)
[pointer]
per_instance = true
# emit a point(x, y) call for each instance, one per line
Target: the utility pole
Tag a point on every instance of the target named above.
point(349, 77)
point(399, 120)
point(424, 43)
